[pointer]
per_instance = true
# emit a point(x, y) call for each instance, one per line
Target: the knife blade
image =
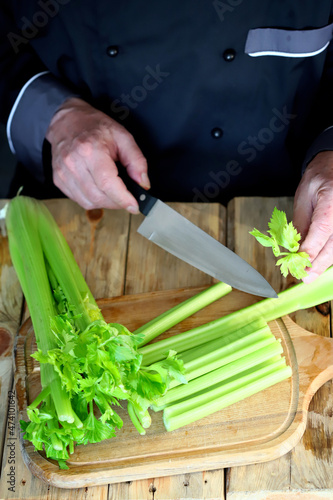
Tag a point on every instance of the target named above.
point(177, 235)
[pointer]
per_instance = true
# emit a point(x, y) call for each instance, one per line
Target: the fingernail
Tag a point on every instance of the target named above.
point(310, 277)
point(145, 181)
point(132, 209)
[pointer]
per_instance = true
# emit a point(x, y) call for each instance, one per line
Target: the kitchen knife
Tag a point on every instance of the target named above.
point(174, 233)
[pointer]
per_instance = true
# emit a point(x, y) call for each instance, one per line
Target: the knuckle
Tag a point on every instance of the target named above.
point(84, 148)
point(83, 145)
point(105, 183)
point(68, 160)
point(58, 176)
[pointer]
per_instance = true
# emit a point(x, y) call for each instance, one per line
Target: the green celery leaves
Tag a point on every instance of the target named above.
point(284, 234)
point(100, 366)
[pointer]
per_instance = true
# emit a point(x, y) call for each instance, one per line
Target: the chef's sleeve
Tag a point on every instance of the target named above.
point(29, 94)
point(322, 115)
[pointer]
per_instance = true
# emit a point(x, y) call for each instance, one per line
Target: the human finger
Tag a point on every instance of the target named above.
point(112, 189)
point(303, 207)
point(322, 262)
point(321, 226)
point(132, 158)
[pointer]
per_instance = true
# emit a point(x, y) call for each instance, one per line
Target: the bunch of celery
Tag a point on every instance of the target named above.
point(86, 364)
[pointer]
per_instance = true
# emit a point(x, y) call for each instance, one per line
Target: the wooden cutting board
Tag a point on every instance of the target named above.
point(258, 429)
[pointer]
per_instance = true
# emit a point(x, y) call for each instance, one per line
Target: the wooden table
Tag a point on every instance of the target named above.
point(116, 260)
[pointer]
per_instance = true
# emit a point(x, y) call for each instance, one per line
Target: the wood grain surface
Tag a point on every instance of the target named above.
point(100, 242)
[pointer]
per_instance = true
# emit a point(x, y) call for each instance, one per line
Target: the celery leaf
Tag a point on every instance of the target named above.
point(284, 234)
point(295, 264)
point(266, 241)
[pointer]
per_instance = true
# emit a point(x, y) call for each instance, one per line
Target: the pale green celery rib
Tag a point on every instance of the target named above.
point(133, 416)
point(219, 375)
point(225, 387)
point(196, 337)
point(28, 260)
point(235, 350)
point(42, 396)
point(65, 268)
point(202, 368)
point(237, 338)
point(174, 417)
point(55, 440)
point(301, 296)
point(183, 310)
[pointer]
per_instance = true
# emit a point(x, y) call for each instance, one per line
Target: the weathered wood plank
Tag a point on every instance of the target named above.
point(312, 458)
point(196, 486)
point(201, 486)
point(280, 495)
point(309, 465)
point(151, 268)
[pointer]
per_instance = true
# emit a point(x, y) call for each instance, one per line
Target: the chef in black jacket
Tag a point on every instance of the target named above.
point(219, 98)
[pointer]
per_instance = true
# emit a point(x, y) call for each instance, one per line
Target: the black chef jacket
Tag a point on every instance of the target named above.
point(224, 98)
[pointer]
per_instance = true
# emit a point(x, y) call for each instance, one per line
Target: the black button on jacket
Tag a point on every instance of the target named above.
point(179, 75)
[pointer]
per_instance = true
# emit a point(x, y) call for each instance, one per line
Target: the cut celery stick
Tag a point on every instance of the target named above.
point(231, 351)
point(219, 375)
point(193, 409)
point(183, 310)
point(195, 337)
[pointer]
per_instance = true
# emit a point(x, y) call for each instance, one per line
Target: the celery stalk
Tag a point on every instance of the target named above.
point(231, 351)
point(219, 375)
point(198, 337)
point(193, 409)
point(136, 422)
point(66, 269)
point(300, 296)
point(183, 310)
point(27, 256)
point(228, 342)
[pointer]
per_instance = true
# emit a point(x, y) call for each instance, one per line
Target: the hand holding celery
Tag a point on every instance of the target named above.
point(284, 235)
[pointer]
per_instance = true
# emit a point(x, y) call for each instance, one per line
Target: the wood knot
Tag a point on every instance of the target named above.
point(95, 215)
point(5, 340)
point(324, 308)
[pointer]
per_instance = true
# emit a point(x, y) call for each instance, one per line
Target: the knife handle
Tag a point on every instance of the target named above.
point(145, 200)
